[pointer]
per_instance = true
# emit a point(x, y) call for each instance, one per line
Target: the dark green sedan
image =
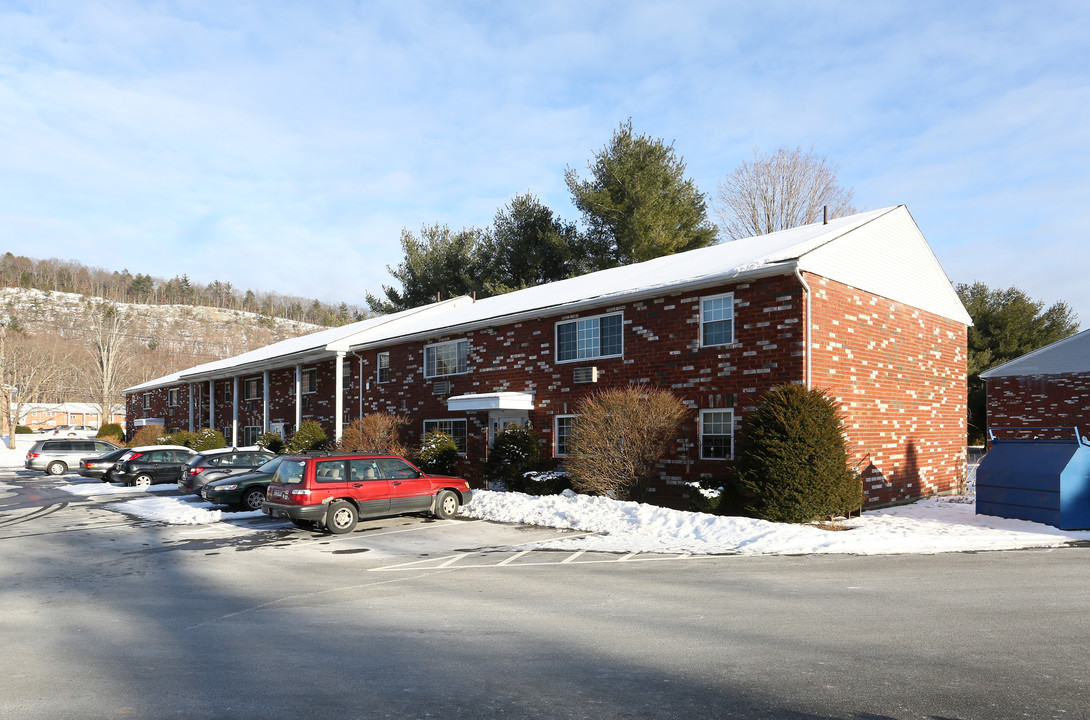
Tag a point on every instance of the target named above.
point(246, 491)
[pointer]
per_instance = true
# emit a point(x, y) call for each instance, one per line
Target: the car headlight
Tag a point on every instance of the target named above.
point(224, 487)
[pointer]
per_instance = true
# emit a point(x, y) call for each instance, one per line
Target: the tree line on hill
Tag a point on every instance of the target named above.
point(55, 275)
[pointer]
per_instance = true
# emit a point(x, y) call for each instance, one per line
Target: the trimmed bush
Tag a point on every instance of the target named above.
point(208, 439)
point(793, 463)
point(380, 432)
point(309, 437)
point(619, 437)
point(272, 442)
point(515, 451)
point(109, 430)
point(23, 430)
point(438, 454)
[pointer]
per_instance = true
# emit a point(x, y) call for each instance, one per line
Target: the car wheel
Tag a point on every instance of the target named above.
point(341, 517)
point(446, 505)
point(141, 480)
point(56, 468)
point(252, 499)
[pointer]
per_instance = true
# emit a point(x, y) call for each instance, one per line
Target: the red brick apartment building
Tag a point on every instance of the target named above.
point(859, 307)
point(1049, 387)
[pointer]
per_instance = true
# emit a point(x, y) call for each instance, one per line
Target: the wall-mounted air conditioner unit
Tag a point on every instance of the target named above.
point(440, 388)
point(585, 375)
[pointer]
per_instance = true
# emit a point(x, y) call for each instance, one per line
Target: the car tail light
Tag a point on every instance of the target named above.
point(134, 456)
point(299, 496)
point(196, 470)
point(32, 455)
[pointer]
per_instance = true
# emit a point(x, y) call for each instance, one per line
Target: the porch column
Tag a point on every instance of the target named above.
point(265, 401)
point(338, 404)
point(190, 388)
point(298, 396)
point(212, 404)
point(234, 411)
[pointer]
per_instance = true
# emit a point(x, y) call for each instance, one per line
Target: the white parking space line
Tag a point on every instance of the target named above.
point(453, 560)
point(572, 557)
point(511, 559)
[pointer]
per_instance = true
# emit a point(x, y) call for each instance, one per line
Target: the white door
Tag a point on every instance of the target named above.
point(499, 419)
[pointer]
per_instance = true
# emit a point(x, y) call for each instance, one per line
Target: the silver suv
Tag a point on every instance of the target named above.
point(56, 456)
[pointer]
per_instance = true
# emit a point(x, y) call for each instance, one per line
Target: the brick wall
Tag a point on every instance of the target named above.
point(899, 374)
point(1040, 401)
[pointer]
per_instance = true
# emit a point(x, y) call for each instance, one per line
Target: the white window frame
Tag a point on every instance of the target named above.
point(708, 298)
point(311, 373)
point(382, 362)
point(700, 438)
point(147, 401)
point(576, 321)
point(173, 397)
point(251, 434)
point(556, 435)
point(450, 422)
point(255, 383)
point(433, 348)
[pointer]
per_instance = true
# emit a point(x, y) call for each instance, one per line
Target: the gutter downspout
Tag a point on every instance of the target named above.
point(807, 297)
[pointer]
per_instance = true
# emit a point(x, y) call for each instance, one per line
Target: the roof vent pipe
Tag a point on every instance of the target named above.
point(824, 214)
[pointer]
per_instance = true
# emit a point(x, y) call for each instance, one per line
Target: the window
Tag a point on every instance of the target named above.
point(228, 391)
point(589, 338)
point(716, 434)
point(383, 363)
point(147, 401)
point(447, 358)
point(251, 434)
point(172, 397)
point(717, 320)
point(563, 425)
point(251, 388)
point(309, 380)
point(455, 428)
point(329, 471)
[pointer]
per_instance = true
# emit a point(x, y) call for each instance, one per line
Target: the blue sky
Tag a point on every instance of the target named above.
point(283, 146)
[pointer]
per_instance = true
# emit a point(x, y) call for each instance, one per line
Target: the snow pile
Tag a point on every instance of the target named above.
point(929, 526)
point(172, 510)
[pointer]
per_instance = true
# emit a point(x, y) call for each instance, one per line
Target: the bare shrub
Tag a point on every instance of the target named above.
point(619, 437)
point(148, 435)
point(378, 431)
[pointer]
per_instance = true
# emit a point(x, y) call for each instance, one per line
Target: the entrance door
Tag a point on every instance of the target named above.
point(499, 419)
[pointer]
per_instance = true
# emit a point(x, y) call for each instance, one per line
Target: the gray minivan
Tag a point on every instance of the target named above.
point(56, 456)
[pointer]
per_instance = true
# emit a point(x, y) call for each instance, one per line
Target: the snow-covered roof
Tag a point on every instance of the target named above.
point(1070, 355)
point(881, 251)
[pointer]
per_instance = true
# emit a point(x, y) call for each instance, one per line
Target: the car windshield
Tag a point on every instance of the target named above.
point(290, 472)
point(270, 466)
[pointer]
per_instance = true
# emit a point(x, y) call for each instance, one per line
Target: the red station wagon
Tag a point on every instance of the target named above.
point(334, 491)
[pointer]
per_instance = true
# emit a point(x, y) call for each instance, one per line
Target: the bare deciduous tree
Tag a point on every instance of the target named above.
point(783, 190)
point(107, 343)
point(29, 367)
point(619, 437)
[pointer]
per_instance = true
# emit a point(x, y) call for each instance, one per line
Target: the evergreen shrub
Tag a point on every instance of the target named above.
point(109, 430)
point(544, 482)
point(438, 454)
point(272, 442)
point(515, 452)
point(23, 430)
point(310, 436)
point(208, 439)
point(793, 462)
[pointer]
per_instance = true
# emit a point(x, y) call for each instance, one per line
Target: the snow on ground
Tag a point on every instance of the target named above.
point(929, 526)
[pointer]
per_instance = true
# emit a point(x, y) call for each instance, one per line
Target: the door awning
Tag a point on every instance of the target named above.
point(492, 401)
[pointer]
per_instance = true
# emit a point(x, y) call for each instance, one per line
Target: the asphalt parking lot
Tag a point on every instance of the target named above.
point(106, 615)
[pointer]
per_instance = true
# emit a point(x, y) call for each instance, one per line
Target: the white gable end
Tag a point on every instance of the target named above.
point(888, 256)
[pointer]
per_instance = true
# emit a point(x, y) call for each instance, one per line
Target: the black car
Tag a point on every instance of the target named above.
point(148, 464)
point(101, 466)
point(246, 491)
point(210, 465)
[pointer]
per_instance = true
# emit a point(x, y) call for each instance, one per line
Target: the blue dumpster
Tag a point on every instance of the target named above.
point(1043, 480)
